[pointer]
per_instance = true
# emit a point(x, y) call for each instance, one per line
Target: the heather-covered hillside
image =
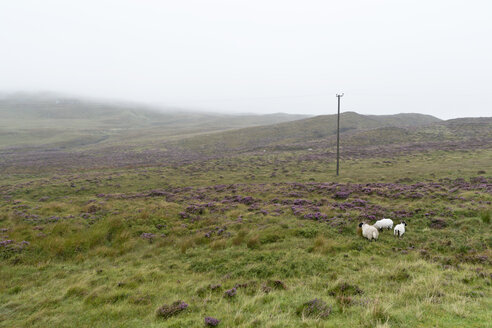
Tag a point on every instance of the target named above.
point(248, 227)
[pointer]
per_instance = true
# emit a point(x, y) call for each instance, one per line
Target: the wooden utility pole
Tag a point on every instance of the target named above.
point(338, 132)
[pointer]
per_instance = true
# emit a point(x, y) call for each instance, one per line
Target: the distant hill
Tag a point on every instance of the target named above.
point(310, 129)
point(50, 120)
point(61, 133)
point(43, 107)
point(33, 122)
point(49, 108)
point(466, 120)
point(406, 119)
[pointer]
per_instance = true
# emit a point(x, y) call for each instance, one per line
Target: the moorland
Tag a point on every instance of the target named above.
point(115, 215)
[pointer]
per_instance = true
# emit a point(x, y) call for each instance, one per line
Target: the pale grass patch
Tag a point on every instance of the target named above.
point(186, 243)
point(423, 287)
point(383, 325)
point(379, 311)
point(458, 308)
point(419, 312)
point(56, 207)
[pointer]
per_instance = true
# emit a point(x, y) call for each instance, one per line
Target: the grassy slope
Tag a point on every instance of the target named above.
point(88, 265)
point(456, 131)
point(95, 270)
point(319, 127)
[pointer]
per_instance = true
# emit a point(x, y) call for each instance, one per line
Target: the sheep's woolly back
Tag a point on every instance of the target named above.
point(369, 232)
point(384, 224)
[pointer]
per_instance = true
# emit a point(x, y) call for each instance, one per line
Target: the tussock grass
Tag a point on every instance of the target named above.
point(98, 270)
point(485, 217)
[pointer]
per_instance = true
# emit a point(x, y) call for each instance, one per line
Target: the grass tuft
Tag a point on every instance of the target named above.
point(485, 216)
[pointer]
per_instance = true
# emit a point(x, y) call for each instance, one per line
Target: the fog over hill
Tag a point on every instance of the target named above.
point(29, 119)
point(46, 106)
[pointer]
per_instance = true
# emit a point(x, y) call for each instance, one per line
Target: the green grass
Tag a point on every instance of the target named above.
point(485, 216)
point(96, 270)
point(98, 244)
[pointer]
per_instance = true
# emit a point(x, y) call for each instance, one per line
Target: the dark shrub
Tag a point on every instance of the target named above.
point(341, 195)
point(211, 322)
point(315, 309)
point(166, 311)
point(345, 289)
point(230, 292)
point(147, 235)
point(344, 301)
point(276, 284)
point(400, 275)
point(438, 224)
point(272, 285)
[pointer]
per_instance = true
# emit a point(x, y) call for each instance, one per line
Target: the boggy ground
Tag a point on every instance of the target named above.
point(264, 240)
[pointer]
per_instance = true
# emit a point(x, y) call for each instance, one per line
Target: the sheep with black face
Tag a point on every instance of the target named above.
point(400, 229)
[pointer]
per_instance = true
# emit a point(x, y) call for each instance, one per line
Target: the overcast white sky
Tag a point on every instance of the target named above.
point(388, 56)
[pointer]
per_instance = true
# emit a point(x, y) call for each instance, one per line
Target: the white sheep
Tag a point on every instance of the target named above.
point(400, 229)
point(384, 224)
point(369, 231)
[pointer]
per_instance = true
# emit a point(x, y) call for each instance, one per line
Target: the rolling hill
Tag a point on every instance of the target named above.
point(66, 134)
point(301, 131)
point(48, 120)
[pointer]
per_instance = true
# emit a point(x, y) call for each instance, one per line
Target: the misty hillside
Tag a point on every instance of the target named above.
point(310, 129)
point(121, 132)
point(52, 109)
point(50, 120)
